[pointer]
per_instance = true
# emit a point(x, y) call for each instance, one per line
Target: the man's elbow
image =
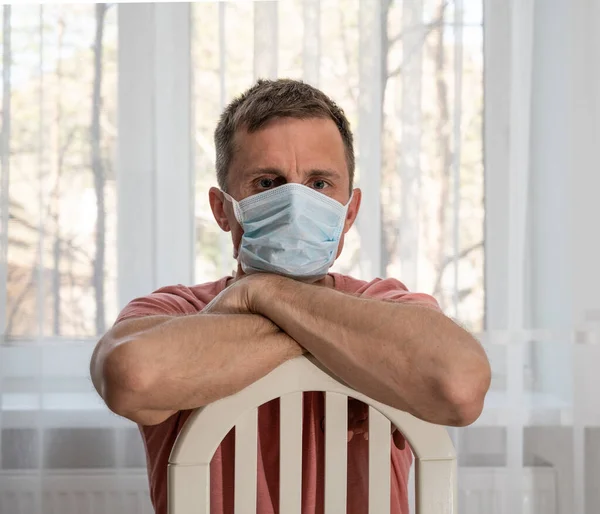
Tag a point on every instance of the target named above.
point(124, 382)
point(466, 394)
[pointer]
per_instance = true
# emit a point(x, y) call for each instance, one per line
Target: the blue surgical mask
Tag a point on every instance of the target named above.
point(290, 230)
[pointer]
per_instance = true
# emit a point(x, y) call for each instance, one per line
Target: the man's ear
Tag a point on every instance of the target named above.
point(217, 205)
point(353, 209)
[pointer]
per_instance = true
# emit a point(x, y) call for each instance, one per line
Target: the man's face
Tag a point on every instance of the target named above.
point(287, 150)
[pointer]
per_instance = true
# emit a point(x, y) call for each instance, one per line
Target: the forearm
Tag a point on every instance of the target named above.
point(185, 362)
point(411, 357)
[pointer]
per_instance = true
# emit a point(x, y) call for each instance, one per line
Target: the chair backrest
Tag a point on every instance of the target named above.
point(189, 464)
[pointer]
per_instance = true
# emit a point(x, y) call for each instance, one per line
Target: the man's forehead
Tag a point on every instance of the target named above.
point(295, 149)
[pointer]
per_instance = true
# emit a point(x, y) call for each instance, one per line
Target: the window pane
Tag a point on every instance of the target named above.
point(431, 174)
point(62, 212)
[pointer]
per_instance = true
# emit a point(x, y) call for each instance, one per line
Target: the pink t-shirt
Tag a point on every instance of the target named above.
point(159, 439)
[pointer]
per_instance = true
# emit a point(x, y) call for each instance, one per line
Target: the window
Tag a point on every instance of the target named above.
point(58, 246)
point(59, 135)
point(418, 128)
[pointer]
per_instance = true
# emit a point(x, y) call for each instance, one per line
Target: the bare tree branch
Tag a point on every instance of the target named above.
point(389, 240)
point(428, 28)
point(18, 301)
point(5, 134)
point(30, 226)
point(69, 250)
point(55, 199)
point(449, 260)
point(345, 47)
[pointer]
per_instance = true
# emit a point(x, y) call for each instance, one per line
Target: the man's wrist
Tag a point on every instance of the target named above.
point(269, 290)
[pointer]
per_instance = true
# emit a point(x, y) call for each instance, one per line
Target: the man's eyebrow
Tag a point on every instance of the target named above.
point(326, 173)
point(257, 172)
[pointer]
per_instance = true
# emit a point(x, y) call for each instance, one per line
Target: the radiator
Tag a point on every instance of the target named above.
point(481, 490)
point(75, 492)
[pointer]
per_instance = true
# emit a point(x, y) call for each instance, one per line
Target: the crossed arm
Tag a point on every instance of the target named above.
point(410, 357)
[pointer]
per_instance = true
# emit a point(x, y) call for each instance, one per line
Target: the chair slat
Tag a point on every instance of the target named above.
point(336, 452)
point(189, 489)
point(290, 454)
point(246, 446)
point(379, 463)
point(436, 487)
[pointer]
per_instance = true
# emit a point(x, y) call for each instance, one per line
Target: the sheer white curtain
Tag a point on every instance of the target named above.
point(540, 422)
point(60, 448)
point(107, 157)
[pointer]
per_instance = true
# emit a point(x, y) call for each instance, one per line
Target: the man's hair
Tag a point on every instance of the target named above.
point(271, 99)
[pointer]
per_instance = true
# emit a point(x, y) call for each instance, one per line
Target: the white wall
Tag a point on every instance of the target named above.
point(550, 264)
point(584, 170)
point(564, 171)
point(562, 277)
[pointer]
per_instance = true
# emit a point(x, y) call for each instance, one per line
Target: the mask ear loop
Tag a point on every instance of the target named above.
point(348, 203)
point(236, 207)
point(346, 212)
point(236, 210)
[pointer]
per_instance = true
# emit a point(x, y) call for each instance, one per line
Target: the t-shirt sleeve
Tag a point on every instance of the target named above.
point(393, 290)
point(157, 304)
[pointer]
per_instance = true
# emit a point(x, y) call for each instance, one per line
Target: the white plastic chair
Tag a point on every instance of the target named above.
point(189, 463)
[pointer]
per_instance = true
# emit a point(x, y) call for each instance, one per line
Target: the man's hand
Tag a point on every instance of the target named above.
point(237, 298)
point(358, 419)
point(358, 423)
point(240, 298)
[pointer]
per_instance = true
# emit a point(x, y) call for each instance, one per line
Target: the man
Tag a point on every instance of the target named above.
point(285, 167)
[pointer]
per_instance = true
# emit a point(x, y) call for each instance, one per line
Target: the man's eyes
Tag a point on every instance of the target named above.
point(268, 183)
